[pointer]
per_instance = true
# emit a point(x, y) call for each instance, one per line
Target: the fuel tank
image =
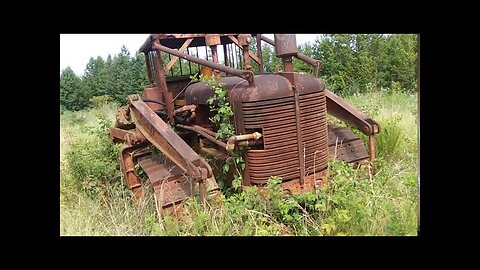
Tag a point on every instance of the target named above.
point(289, 109)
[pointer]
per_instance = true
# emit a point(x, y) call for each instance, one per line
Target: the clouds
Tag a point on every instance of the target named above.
point(76, 49)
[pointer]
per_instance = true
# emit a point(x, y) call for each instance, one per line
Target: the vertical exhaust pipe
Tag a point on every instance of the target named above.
point(285, 48)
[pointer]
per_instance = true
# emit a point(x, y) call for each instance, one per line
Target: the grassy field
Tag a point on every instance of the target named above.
point(93, 200)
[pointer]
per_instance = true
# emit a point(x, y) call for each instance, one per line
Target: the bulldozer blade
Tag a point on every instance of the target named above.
point(344, 145)
point(171, 185)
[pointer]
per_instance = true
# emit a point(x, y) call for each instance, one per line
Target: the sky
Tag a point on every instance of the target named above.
point(77, 49)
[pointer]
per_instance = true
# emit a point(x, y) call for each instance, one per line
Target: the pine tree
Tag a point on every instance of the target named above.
point(72, 94)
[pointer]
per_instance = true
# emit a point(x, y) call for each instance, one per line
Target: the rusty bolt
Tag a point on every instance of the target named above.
point(244, 39)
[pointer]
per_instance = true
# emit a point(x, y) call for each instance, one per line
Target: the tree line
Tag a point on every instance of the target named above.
point(351, 63)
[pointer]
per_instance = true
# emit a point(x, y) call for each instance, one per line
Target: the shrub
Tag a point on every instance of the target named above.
point(389, 140)
point(99, 101)
point(92, 159)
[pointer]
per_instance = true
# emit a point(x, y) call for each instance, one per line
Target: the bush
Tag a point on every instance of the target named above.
point(99, 101)
point(389, 141)
point(92, 159)
point(74, 119)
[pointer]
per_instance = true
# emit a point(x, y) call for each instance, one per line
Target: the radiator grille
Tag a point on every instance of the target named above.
point(276, 118)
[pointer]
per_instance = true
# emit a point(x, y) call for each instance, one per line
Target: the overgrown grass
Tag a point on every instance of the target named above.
point(94, 201)
point(397, 114)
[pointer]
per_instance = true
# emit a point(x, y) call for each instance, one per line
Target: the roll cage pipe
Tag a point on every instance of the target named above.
point(247, 75)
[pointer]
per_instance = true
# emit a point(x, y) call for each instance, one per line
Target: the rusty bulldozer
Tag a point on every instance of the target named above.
point(280, 119)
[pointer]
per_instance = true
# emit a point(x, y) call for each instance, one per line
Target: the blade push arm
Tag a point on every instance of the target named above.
point(347, 113)
point(166, 140)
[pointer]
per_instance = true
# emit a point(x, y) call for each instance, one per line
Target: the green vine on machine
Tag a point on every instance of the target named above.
point(223, 119)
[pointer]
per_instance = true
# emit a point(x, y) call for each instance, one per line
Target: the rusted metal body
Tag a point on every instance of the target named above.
point(150, 127)
point(280, 119)
point(127, 166)
point(152, 93)
point(167, 141)
point(292, 121)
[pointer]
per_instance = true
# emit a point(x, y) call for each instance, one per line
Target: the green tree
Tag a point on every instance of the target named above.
point(96, 76)
point(124, 76)
point(336, 51)
point(356, 62)
point(399, 61)
point(271, 63)
point(72, 94)
point(299, 65)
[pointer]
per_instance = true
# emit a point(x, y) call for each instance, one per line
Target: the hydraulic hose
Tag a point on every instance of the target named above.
point(154, 101)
